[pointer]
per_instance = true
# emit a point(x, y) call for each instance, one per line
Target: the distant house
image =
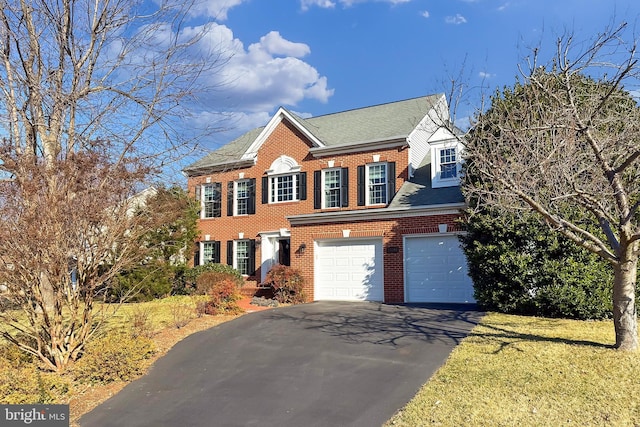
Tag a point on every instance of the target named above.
point(364, 202)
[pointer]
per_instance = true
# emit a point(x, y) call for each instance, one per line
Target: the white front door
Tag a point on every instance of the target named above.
point(271, 244)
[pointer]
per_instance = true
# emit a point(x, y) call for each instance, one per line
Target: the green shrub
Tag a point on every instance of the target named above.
point(113, 357)
point(223, 294)
point(223, 271)
point(519, 266)
point(143, 283)
point(287, 284)
point(22, 382)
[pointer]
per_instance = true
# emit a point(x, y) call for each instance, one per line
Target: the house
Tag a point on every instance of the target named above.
point(364, 202)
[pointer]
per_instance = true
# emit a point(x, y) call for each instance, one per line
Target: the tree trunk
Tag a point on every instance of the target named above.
point(625, 317)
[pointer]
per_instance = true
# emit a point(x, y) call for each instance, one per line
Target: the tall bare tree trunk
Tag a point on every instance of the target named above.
point(625, 317)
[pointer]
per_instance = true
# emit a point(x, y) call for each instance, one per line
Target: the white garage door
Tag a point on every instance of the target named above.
point(436, 270)
point(349, 271)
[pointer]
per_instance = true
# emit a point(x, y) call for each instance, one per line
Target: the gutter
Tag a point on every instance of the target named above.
point(370, 145)
point(375, 214)
point(219, 167)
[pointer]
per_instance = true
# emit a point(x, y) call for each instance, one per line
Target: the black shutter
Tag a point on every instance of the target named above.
point(265, 190)
point(230, 252)
point(252, 257)
point(361, 186)
point(230, 198)
point(251, 208)
point(302, 186)
point(216, 252)
point(196, 255)
point(217, 211)
point(317, 185)
point(391, 180)
point(344, 187)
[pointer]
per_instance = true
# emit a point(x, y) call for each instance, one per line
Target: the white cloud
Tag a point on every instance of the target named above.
point(425, 13)
point(274, 44)
point(456, 20)
point(267, 74)
point(324, 4)
point(216, 9)
point(327, 4)
point(503, 7)
point(485, 75)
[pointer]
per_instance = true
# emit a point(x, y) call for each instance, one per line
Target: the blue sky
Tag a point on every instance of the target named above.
point(322, 56)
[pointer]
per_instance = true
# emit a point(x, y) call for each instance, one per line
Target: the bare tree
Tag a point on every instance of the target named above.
point(90, 94)
point(565, 144)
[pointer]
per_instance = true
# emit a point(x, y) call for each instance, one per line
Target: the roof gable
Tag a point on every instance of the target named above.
point(281, 114)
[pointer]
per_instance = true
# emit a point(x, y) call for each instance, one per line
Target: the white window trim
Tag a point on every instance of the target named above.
point(201, 255)
point(323, 198)
point(386, 183)
point(436, 181)
point(272, 188)
point(202, 200)
point(235, 254)
point(236, 198)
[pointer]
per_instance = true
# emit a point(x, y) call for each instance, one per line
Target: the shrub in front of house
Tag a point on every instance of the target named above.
point(287, 284)
point(115, 356)
point(519, 266)
point(223, 294)
point(192, 286)
point(22, 382)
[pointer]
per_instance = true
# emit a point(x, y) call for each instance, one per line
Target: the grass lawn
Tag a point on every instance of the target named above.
point(528, 371)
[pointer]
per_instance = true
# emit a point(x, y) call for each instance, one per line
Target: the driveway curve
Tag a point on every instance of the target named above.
point(319, 364)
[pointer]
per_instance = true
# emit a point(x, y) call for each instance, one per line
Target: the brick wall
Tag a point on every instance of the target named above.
point(285, 139)
point(391, 231)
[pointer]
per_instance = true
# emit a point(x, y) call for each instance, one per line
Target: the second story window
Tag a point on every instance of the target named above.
point(210, 197)
point(284, 188)
point(284, 182)
point(376, 183)
point(241, 199)
point(331, 188)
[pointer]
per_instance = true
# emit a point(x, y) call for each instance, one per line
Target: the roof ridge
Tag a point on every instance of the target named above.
point(374, 106)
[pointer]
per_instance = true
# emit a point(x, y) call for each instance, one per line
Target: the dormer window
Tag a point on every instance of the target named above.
point(446, 164)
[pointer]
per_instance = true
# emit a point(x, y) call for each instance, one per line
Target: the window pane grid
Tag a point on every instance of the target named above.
point(332, 188)
point(211, 200)
point(242, 256)
point(283, 188)
point(377, 184)
point(242, 197)
point(448, 166)
point(208, 252)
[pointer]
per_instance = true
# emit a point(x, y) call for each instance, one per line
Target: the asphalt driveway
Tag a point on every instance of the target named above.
point(320, 364)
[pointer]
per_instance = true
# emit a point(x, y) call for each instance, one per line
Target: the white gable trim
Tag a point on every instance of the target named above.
point(280, 115)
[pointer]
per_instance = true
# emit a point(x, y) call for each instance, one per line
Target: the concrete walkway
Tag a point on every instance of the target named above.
point(319, 364)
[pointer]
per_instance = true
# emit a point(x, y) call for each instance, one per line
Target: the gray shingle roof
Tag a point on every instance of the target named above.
point(375, 123)
point(418, 191)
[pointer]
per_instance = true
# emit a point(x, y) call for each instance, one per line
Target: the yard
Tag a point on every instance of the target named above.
point(528, 371)
point(511, 370)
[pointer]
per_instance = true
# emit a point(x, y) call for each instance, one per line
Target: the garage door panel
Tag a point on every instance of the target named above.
point(436, 270)
point(355, 271)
